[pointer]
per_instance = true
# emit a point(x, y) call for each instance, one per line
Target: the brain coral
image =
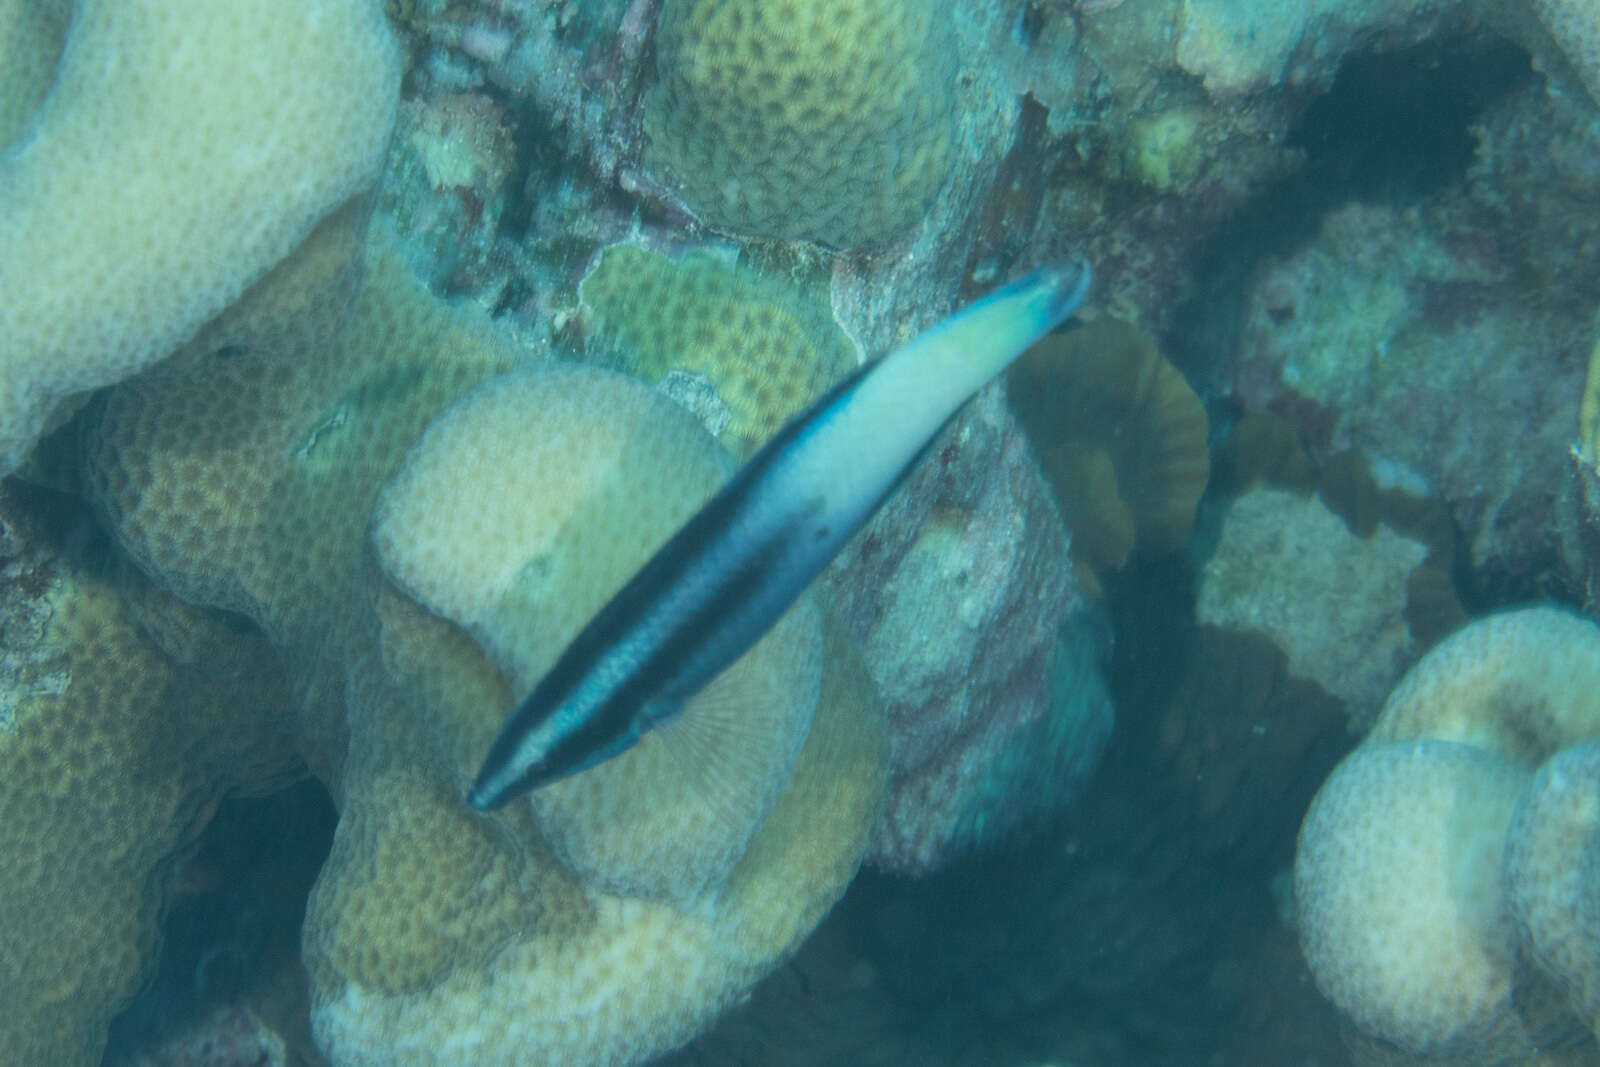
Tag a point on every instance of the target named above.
point(820, 120)
point(435, 934)
point(766, 350)
point(145, 196)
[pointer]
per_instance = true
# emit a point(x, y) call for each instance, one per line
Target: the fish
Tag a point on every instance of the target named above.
point(730, 572)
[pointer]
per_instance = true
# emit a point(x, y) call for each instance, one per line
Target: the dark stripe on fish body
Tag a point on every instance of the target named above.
point(727, 575)
point(614, 634)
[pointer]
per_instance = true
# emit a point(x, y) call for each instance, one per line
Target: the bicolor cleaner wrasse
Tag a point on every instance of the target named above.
point(738, 564)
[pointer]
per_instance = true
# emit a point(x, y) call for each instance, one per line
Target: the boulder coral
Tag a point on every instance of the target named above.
point(613, 466)
point(818, 120)
point(1441, 868)
point(143, 198)
point(127, 716)
point(409, 618)
point(766, 349)
point(1552, 866)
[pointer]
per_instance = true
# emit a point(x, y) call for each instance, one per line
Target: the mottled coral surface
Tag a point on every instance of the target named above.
point(1364, 233)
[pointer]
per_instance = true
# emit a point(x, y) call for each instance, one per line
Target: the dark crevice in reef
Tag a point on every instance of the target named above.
point(232, 931)
point(1394, 128)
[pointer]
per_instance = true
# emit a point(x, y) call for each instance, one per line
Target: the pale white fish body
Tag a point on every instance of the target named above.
point(726, 576)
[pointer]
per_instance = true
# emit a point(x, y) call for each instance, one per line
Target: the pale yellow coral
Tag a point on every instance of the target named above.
point(641, 917)
point(435, 934)
point(559, 519)
point(817, 120)
point(104, 780)
point(1552, 868)
point(766, 349)
point(184, 148)
point(1397, 889)
point(1519, 684)
point(1403, 908)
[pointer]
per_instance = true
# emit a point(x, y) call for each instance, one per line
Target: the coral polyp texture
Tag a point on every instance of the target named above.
point(126, 717)
point(432, 929)
point(623, 903)
point(613, 467)
point(142, 198)
point(1552, 866)
point(30, 44)
point(818, 120)
point(1401, 917)
point(765, 350)
point(1439, 879)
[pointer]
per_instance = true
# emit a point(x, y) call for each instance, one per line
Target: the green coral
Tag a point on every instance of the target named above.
point(767, 350)
point(820, 120)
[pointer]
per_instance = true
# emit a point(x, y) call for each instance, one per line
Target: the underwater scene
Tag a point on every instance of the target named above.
point(783, 533)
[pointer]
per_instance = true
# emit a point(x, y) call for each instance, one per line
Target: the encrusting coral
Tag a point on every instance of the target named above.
point(1552, 867)
point(1430, 875)
point(819, 120)
point(143, 198)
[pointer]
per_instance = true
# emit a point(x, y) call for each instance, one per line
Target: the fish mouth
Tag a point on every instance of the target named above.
point(1069, 284)
point(490, 791)
point(481, 797)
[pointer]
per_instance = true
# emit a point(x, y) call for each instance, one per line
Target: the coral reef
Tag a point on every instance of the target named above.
point(766, 351)
point(1364, 234)
point(144, 198)
point(423, 906)
point(1429, 866)
point(1120, 435)
point(128, 716)
point(819, 121)
point(1448, 289)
